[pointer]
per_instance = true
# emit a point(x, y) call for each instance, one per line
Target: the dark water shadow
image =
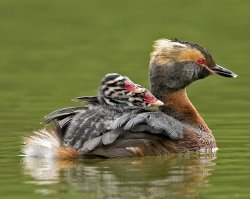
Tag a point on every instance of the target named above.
point(175, 176)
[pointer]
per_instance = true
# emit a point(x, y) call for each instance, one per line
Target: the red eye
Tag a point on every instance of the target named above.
point(201, 61)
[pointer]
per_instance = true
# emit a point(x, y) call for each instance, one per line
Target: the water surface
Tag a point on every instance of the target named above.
point(53, 51)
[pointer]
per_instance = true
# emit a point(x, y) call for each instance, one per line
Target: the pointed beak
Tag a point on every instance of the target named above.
point(223, 72)
point(157, 103)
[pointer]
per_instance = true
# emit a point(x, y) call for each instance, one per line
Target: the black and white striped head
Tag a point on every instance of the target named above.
point(117, 89)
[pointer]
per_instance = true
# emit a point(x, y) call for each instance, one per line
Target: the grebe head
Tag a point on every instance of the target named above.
point(118, 89)
point(175, 64)
point(116, 86)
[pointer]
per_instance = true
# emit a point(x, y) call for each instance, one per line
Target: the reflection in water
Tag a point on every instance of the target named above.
point(176, 176)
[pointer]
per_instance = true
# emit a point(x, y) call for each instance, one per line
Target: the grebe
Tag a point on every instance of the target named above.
point(116, 92)
point(174, 65)
point(114, 89)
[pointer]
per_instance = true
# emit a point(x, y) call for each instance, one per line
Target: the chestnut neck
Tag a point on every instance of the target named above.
point(178, 105)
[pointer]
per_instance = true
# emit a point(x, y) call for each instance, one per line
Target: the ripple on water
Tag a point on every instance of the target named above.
point(179, 175)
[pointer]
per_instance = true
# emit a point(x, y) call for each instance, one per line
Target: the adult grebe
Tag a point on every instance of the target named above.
point(174, 65)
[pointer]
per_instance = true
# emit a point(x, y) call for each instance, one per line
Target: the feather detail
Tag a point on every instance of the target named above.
point(67, 153)
point(110, 137)
point(165, 125)
point(153, 122)
point(90, 145)
point(87, 99)
point(42, 144)
point(47, 144)
point(64, 122)
point(138, 119)
point(62, 113)
point(121, 121)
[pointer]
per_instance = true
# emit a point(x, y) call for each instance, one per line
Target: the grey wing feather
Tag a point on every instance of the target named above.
point(87, 99)
point(91, 144)
point(63, 113)
point(138, 119)
point(64, 122)
point(111, 136)
point(143, 128)
point(153, 122)
point(105, 139)
point(156, 123)
point(165, 125)
point(90, 124)
point(121, 121)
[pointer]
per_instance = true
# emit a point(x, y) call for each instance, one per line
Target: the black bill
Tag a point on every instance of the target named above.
point(223, 71)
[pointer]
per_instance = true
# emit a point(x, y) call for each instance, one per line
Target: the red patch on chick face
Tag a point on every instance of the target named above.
point(151, 99)
point(129, 86)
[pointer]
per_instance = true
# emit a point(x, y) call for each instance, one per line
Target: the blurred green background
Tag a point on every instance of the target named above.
point(54, 50)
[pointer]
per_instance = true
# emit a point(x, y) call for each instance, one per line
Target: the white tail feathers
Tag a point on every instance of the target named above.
point(45, 144)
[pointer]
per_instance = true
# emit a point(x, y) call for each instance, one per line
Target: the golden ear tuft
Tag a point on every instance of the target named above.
point(190, 54)
point(167, 51)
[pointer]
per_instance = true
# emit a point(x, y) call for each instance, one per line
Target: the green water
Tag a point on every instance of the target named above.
point(52, 51)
